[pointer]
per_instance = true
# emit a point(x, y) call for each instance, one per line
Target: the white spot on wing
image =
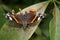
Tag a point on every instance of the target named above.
point(10, 18)
point(38, 18)
point(7, 14)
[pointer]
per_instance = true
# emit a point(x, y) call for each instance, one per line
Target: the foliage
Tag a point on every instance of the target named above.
point(44, 29)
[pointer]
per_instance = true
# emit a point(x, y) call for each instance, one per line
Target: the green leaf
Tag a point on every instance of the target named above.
point(37, 38)
point(55, 24)
point(4, 7)
point(38, 31)
point(2, 19)
point(12, 31)
point(44, 25)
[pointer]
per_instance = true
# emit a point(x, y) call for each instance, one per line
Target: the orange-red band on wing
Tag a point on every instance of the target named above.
point(34, 19)
point(15, 19)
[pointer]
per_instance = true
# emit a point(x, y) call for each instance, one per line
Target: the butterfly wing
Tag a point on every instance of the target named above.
point(18, 17)
point(25, 19)
point(30, 17)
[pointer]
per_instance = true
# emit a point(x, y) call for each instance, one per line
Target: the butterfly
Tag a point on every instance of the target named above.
point(24, 19)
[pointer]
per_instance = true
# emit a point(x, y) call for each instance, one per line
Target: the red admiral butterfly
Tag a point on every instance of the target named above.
point(24, 19)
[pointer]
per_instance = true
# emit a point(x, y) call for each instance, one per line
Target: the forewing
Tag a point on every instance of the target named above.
point(18, 17)
point(30, 17)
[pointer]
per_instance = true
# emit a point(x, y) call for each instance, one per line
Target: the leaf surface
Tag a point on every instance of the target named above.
point(55, 24)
